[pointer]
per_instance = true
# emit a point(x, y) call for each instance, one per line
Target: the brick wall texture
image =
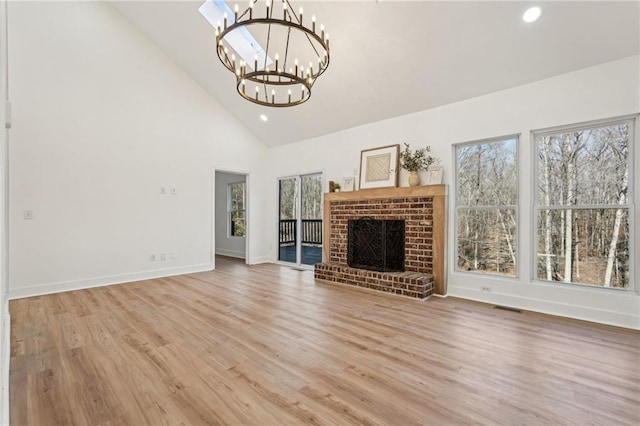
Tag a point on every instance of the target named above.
point(417, 212)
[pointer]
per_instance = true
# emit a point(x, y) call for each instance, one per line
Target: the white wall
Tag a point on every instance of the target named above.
point(603, 91)
point(5, 323)
point(102, 120)
point(226, 245)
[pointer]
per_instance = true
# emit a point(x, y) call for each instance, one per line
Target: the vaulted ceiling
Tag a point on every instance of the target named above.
point(390, 58)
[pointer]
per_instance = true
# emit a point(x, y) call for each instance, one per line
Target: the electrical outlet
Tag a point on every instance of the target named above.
point(485, 289)
point(163, 257)
point(163, 190)
point(153, 257)
point(174, 190)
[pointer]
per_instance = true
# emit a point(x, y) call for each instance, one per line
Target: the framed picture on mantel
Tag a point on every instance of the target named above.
point(379, 167)
point(434, 176)
point(349, 184)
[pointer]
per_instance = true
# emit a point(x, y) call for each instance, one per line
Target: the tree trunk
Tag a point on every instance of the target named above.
point(622, 199)
point(507, 237)
point(477, 224)
point(547, 214)
point(568, 224)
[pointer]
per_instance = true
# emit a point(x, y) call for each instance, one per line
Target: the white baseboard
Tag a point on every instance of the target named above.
point(566, 310)
point(5, 362)
point(231, 253)
point(260, 259)
point(62, 286)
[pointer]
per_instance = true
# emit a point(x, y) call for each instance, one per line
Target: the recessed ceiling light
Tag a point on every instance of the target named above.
point(532, 14)
point(264, 117)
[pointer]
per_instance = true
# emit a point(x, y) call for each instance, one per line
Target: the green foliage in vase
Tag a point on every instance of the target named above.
point(417, 160)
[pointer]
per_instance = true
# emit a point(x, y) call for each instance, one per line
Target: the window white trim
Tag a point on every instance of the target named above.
point(633, 125)
point(231, 210)
point(515, 207)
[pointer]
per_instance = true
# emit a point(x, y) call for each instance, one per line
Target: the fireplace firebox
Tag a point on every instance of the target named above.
point(377, 245)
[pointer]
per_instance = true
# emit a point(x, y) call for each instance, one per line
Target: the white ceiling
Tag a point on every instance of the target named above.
point(390, 58)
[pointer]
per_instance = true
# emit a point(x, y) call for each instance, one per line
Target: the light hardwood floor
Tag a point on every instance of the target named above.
point(267, 345)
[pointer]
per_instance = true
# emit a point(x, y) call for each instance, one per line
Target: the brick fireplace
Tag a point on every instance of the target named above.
point(423, 210)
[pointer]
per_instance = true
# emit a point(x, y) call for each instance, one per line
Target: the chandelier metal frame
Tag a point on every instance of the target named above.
point(269, 82)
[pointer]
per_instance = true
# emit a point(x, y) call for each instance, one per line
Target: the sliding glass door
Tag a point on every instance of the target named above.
point(300, 219)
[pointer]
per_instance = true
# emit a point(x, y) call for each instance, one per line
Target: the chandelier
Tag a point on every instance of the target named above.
point(282, 73)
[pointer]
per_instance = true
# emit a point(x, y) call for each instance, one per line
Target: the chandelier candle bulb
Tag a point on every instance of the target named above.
point(273, 80)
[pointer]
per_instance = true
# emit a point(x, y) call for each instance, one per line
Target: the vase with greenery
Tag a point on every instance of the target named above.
point(415, 160)
point(336, 187)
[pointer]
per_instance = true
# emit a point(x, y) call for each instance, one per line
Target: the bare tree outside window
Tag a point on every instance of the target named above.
point(486, 206)
point(582, 215)
point(288, 198)
point(237, 220)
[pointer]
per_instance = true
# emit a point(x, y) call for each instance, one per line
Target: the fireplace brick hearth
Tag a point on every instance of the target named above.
point(422, 209)
point(412, 284)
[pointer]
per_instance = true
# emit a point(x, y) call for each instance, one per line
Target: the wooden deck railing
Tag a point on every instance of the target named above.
point(311, 231)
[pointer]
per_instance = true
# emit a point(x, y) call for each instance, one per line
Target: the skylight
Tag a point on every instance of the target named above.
point(241, 40)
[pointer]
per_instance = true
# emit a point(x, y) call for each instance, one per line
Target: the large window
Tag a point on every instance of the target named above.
point(237, 221)
point(582, 210)
point(486, 206)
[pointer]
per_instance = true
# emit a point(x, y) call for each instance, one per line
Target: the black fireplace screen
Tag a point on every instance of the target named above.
point(377, 245)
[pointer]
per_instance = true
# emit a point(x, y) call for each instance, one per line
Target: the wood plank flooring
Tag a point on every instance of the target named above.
point(267, 345)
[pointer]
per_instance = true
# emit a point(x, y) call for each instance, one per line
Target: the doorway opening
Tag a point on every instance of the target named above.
point(300, 220)
point(230, 215)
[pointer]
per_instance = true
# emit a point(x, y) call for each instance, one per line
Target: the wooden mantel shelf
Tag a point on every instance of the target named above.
point(439, 195)
point(405, 191)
